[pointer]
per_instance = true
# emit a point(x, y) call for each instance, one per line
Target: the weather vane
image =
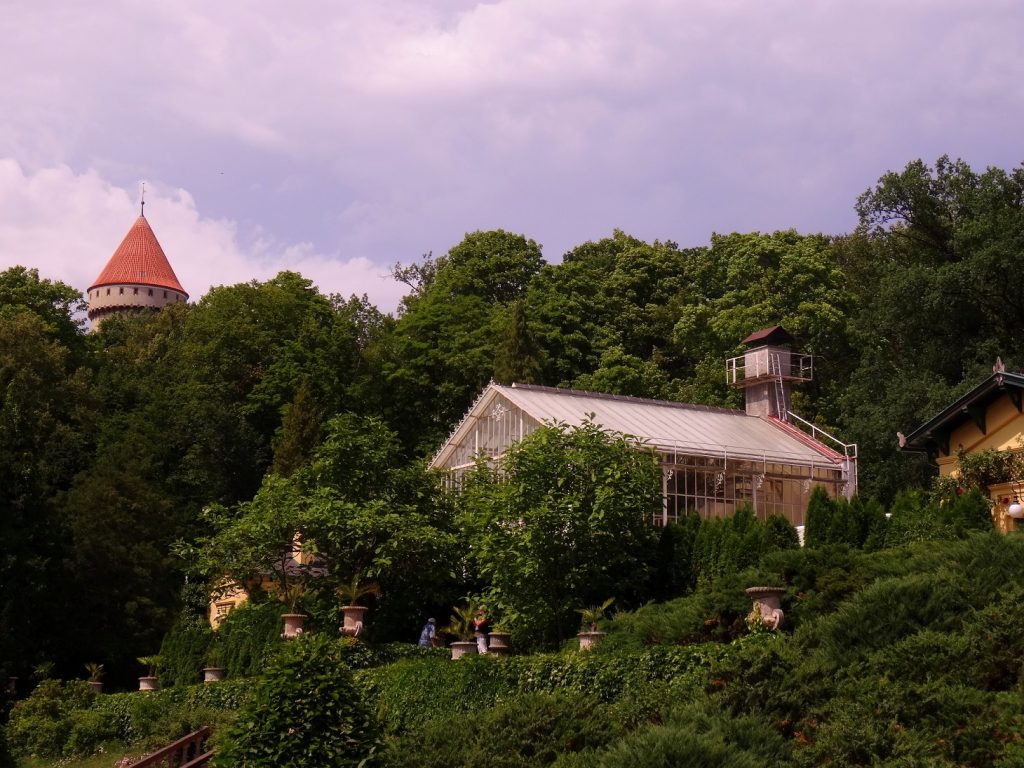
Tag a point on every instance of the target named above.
point(143, 183)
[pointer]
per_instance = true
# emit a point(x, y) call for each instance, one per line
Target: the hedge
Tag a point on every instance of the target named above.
point(408, 693)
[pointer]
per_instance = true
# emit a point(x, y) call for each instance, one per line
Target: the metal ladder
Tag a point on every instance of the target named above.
point(775, 371)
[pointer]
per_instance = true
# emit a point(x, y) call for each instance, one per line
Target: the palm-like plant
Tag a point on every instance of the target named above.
point(95, 671)
point(290, 594)
point(594, 614)
point(150, 663)
point(356, 590)
point(460, 623)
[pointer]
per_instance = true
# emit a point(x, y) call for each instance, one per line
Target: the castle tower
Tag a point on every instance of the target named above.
point(767, 371)
point(138, 276)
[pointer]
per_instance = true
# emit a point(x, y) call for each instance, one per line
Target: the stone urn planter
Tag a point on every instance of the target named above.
point(96, 685)
point(589, 639)
point(292, 625)
point(766, 608)
point(148, 683)
point(500, 643)
point(462, 648)
point(213, 674)
point(353, 625)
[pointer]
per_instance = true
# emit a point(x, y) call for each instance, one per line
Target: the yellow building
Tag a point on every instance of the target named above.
point(229, 595)
point(989, 417)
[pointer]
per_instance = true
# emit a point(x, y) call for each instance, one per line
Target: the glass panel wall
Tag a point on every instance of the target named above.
point(714, 487)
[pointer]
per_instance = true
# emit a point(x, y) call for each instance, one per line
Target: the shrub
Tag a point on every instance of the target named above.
point(304, 711)
point(780, 534)
point(878, 721)
point(820, 511)
point(676, 570)
point(249, 636)
point(700, 735)
point(715, 612)
point(41, 724)
point(183, 653)
point(409, 693)
point(529, 730)
point(89, 730)
point(159, 717)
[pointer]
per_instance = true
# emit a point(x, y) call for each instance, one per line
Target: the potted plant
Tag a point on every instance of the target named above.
point(214, 672)
point(148, 682)
point(290, 594)
point(766, 612)
point(589, 635)
point(461, 626)
point(95, 671)
point(353, 592)
point(500, 640)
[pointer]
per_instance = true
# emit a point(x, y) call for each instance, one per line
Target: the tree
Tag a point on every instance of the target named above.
point(821, 512)
point(516, 359)
point(623, 374)
point(618, 292)
point(45, 419)
point(254, 542)
point(299, 433)
point(929, 264)
point(445, 342)
point(375, 517)
point(359, 511)
point(563, 523)
point(58, 305)
point(754, 281)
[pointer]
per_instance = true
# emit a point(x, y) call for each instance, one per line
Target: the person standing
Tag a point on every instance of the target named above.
point(428, 635)
point(481, 628)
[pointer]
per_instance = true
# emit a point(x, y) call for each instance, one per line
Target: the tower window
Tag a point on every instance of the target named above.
point(165, 294)
point(120, 290)
point(135, 291)
point(108, 291)
point(150, 291)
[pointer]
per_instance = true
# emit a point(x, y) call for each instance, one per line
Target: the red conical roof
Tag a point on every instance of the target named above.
point(139, 259)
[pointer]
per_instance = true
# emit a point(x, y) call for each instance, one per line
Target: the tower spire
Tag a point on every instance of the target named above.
point(143, 210)
point(138, 276)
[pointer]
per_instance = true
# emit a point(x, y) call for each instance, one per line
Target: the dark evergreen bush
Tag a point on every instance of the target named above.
point(249, 636)
point(820, 511)
point(675, 570)
point(700, 735)
point(183, 650)
point(779, 534)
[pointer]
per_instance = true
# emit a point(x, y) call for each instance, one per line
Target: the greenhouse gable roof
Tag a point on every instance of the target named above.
point(696, 430)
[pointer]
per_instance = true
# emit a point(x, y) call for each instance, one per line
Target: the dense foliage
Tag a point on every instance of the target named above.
point(565, 522)
point(304, 711)
point(196, 440)
point(906, 655)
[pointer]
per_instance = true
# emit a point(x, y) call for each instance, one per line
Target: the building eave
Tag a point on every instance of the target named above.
point(935, 432)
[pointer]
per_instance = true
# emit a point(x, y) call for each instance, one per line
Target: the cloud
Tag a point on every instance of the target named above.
point(379, 131)
point(68, 225)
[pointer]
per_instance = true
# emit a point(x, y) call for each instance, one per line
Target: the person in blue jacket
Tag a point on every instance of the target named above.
point(428, 635)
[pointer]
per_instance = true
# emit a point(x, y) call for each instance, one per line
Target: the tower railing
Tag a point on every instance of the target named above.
point(756, 366)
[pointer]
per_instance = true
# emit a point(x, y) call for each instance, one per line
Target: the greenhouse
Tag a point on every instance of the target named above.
point(713, 459)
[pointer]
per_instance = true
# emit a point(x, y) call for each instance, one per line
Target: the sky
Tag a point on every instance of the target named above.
point(339, 138)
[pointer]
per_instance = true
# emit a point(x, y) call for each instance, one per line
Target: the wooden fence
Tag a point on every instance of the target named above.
point(187, 752)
